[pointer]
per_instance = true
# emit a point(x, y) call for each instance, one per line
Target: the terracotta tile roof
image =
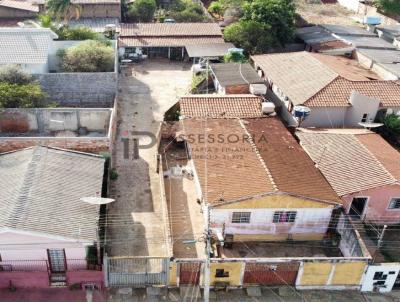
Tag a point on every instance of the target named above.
point(383, 151)
point(167, 41)
point(337, 93)
point(291, 168)
point(238, 167)
point(298, 75)
point(345, 161)
point(20, 4)
point(234, 171)
point(220, 106)
point(169, 29)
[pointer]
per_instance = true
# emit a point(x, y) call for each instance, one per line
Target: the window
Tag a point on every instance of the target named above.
point(221, 273)
point(241, 217)
point(364, 118)
point(284, 216)
point(394, 203)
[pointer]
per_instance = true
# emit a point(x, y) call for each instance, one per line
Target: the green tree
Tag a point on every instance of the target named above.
point(216, 8)
point(392, 122)
point(87, 56)
point(186, 11)
point(388, 6)
point(21, 96)
point(142, 10)
point(63, 9)
point(78, 33)
point(13, 74)
point(278, 15)
point(253, 37)
point(235, 57)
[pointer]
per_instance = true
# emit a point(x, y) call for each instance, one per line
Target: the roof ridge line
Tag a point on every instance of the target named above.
point(375, 158)
point(323, 88)
point(257, 152)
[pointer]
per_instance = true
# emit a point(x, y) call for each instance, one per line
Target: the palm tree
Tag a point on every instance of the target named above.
point(63, 9)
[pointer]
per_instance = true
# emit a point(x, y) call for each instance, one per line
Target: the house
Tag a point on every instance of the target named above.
point(11, 9)
point(167, 40)
point(361, 167)
point(336, 89)
point(384, 62)
point(46, 230)
point(234, 78)
point(26, 47)
point(257, 182)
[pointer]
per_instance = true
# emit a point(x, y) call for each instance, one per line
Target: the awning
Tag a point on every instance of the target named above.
point(208, 50)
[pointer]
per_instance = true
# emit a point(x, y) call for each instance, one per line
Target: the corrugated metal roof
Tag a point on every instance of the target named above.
point(40, 191)
point(346, 163)
point(95, 24)
point(25, 45)
point(344, 30)
point(229, 74)
point(220, 106)
point(208, 50)
point(368, 42)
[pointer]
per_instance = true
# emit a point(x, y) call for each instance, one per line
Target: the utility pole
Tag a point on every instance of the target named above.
point(208, 250)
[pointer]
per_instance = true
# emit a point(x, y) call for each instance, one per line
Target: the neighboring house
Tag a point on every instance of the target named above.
point(26, 47)
point(338, 91)
point(384, 62)
point(234, 78)
point(361, 167)
point(255, 179)
point(11, 9)
point(220, 106)
point(45, 227)
point(167, 40)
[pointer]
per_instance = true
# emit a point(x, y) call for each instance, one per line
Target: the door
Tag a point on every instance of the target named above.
point(358, 206)
point(57, 260)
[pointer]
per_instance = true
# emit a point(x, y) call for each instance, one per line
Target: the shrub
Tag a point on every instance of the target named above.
point(21, 96)
point(388, 6)
point(78, 33)
point(142, 10)
point(87, 56)
point(392, 122)
point(235, 57)
point(13, 74)
point(186, 11)
point(216, 8)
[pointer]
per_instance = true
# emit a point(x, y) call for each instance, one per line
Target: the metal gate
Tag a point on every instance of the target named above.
point(271, 273)
point(136, 272)
point(189, 273)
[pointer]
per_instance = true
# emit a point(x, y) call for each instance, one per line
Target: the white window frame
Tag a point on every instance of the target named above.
point(289, 217)
point(390, 201)
point(243, 218)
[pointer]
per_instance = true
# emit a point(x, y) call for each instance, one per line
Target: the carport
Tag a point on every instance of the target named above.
point(208, 51)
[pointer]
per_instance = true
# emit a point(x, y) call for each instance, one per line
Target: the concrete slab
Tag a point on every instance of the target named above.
point(156, 291)
point(253, 291)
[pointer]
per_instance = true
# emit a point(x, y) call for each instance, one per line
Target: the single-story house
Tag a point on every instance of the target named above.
point(10, 9)
point(337, 90)
point(26, 47)
point(220, 106)
point(319, 39)
point(234, 78)
point(212, 51)
point(45, 227)
point(384, 62)
point(167, 40)
point(256, 181)
point(362, 168)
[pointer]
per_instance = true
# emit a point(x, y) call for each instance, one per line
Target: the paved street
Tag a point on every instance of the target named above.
point(137, 220)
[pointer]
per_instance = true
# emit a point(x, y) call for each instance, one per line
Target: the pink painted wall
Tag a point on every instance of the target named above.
point(378, 203)
point(11, 248)
point(85, 277)
point(24, 279)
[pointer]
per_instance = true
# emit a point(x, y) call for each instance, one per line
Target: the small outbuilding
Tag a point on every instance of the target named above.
point(236, 78)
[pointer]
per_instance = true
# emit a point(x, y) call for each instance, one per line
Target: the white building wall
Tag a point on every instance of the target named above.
point(361, 105)
point(373, 277)
point(326, 117)
point(350, 4)
point(308, 220)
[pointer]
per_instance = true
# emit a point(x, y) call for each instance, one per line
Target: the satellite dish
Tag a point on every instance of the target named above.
point(370, 125)
point(97, 200)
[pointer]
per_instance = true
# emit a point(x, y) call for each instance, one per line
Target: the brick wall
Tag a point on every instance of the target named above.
point(84, 145)
point(237, 89)
point(80, 89)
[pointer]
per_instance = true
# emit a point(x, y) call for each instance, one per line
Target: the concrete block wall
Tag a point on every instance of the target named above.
point(80, 89)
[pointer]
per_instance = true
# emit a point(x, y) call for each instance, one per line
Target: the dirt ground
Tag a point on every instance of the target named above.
point(315, 12)
point(137, 220)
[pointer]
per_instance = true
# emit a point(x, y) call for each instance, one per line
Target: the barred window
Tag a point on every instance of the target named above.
point(394, 203)
point(241, 217)
point(284, 216)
